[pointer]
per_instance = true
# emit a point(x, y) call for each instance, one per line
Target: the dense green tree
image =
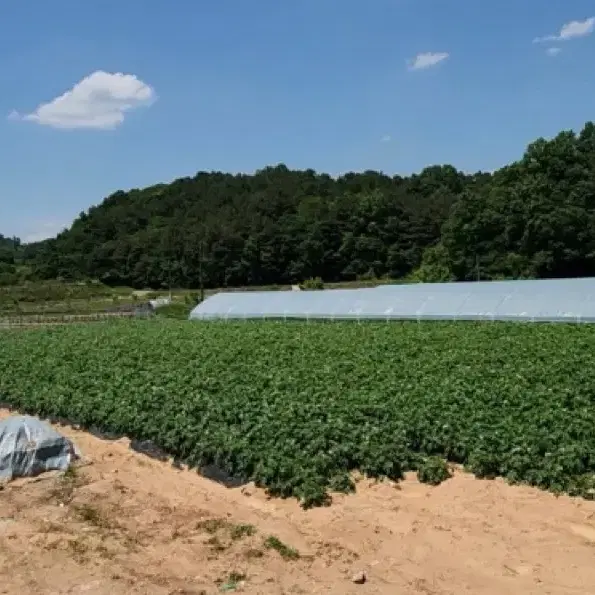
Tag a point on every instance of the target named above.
point(535, 219)
point(276, 226)
point(10, 254)
point(532, 218)
point(10, 249)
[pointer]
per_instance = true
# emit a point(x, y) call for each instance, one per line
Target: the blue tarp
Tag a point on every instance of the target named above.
point(29, 447)
point(552, 300)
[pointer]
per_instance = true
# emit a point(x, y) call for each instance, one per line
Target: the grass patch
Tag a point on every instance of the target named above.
point(243, 530)
point(216, 525)
point(92, 516)
point(176, 311)
point(79, 549)
point(253, 554)
point(284, 550)
point(212, 525)
point(215, 543)
point(232, 581)
point(65, 485)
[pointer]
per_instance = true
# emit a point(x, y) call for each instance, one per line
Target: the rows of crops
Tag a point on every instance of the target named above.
point(296, 406)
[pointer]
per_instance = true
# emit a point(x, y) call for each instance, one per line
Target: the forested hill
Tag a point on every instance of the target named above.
point(10, 249)
point(534, 218)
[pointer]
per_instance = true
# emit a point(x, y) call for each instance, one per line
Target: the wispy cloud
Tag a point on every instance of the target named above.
point(98, 101)
point(385, 139)
point(427, 60)
point(553, 51)
point(571, 30)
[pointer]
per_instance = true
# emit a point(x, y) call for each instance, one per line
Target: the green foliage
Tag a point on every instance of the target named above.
point(276, 227)
point(8, 275)
point(53, 291)
point(434, 267)
point(536, 218)
point(532, 218)
point(10, 249)
point(192, 299)
point(179, 311)
point(296, 407)
point(285, 551)
point(243, 530)
point(55, 297)
point(312, 284)
point(433, 470)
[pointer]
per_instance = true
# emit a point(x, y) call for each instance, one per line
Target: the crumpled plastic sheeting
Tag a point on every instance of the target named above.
point(29, 447)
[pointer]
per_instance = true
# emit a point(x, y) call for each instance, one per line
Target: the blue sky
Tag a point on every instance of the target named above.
point(235, 86)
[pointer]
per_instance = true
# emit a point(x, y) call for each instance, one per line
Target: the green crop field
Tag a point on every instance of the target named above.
point(297, 406)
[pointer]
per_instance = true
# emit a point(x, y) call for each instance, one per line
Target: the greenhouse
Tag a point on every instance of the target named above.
point(551, 300)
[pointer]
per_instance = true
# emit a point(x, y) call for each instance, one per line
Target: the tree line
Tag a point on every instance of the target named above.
point(532, 218)
point(10, 251)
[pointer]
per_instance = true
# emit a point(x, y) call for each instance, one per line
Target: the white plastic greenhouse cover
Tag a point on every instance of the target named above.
point(552, 300)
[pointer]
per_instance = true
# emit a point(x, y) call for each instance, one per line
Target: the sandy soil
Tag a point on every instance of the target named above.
point(125, 523)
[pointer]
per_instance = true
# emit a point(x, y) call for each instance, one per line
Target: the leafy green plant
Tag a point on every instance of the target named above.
point(314, 283)
point(296, 407)
point(434, 471)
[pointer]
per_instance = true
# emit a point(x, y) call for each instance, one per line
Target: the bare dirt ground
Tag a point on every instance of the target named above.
point(125, 523)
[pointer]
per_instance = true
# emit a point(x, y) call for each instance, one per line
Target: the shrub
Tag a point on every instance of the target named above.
point(312, 284)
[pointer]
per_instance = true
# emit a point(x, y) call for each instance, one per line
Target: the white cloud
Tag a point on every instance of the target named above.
point(553, 51)
point(571, 30)
point(427, 60)
point(43, 230)
point(385, 139)
point(99, 101)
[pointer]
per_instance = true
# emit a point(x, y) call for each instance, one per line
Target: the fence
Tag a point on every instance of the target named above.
point(55, 319)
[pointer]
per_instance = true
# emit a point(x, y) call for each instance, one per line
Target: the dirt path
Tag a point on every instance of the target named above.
point(125, 523)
